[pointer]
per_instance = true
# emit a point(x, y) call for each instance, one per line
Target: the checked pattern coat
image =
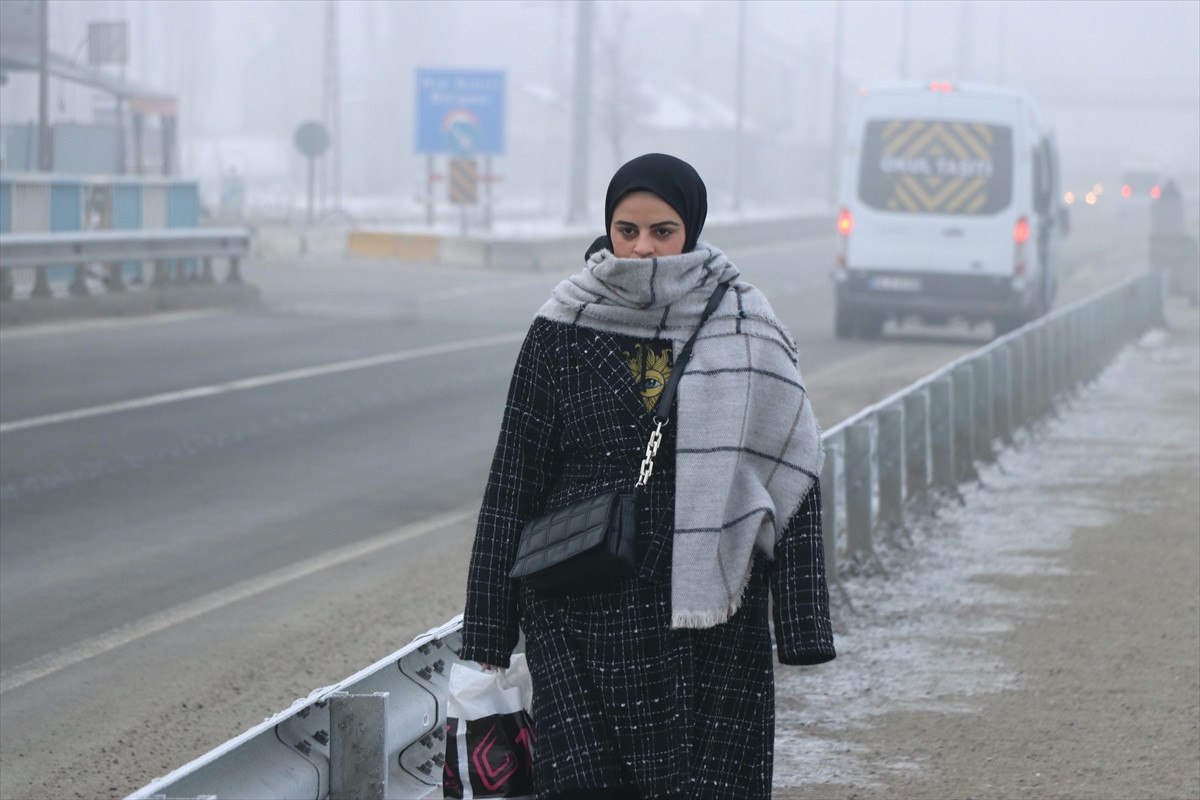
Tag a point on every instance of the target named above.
point(621, 699)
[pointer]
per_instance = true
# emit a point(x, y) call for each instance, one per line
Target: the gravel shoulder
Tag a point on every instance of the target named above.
point(1044, 639)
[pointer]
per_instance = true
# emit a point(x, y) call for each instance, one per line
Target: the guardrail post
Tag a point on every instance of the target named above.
point(78, 287)
point(941, 432)
point(41, 283)
point(160, 277)
point(358, 764)
point(857, 470)
point(206, 270)
point(964, 425)
point(889, 455)
point(981, 373)
point(1041, 370)
point(114, 281)
point(6, 284)
point(916, 446)
point(1002, 393)
point(1019, 386)
point(829, 505)
point(235, 274)
point(1058, 360)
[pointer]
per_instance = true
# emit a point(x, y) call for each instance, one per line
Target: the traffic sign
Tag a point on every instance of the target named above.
point(312, 139)
point(460, 112)
point(464, 181)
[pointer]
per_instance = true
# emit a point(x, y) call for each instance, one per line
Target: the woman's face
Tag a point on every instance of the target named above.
point(645, 225)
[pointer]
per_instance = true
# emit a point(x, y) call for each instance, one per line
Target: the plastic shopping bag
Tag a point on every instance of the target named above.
point(489, 748)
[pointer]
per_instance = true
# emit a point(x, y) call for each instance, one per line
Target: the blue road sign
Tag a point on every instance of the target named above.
point(460, 112)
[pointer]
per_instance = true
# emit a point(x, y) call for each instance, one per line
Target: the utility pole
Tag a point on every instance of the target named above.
point(835, 146)
point(739, 161)
point(45, 139)
point(331, 113)
point(964, 29)
point(581, 114)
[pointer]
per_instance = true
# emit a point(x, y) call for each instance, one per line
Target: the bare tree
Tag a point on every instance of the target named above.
point(620, 96)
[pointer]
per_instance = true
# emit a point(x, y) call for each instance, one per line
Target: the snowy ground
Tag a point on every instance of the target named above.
point(966, 632)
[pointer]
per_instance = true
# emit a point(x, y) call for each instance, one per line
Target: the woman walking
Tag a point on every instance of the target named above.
point(660, 684)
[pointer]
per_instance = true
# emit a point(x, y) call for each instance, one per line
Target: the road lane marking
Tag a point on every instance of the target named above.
point(260, 381)
point(117, 637)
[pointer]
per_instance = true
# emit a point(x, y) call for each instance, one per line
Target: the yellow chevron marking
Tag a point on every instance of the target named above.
point(893, 146)
point(970, 141)
point(973, 188)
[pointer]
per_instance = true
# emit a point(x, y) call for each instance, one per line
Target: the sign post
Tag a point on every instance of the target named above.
point(460, 113)
point(312, 140)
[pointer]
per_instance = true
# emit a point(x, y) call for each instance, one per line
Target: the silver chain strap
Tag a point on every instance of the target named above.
point(651, 452)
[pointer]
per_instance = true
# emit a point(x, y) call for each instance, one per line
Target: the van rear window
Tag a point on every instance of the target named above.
point(923, 166)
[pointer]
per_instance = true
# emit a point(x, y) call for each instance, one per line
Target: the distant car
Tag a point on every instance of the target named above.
point(1140, 186)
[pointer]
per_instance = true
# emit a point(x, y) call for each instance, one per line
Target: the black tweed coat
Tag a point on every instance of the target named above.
point(620, 699)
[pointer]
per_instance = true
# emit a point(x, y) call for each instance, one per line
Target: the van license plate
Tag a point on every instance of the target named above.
point(895, 283)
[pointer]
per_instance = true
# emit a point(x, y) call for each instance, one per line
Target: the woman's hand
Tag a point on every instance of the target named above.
point(486, 667)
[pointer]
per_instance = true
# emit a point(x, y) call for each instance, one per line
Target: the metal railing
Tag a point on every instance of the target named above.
point(181, 255)
point(896, 458)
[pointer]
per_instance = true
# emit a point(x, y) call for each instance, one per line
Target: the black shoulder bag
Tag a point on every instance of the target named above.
point(593, 542)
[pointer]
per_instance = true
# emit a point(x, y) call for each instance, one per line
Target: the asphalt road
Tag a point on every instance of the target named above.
point(158, 473)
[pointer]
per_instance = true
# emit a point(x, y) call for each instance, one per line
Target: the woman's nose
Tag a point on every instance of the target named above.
point(644, 246)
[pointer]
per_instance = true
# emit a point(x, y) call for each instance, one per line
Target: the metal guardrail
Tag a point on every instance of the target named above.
point(896, 458)
point(179, 255)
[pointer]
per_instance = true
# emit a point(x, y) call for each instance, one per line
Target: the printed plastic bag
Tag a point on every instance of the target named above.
point(489, 748)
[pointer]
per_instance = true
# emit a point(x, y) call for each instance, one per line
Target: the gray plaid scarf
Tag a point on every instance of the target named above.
point(748, 447)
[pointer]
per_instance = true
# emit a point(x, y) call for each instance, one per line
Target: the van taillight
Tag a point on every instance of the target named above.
point(845, 222)
point(1126, 191)
point(941, 86)
point(1021, 231)
point(1156, 192)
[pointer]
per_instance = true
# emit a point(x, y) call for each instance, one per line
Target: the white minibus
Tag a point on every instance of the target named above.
point(949, 209)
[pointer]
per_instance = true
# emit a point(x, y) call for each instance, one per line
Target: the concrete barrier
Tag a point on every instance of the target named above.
point(556, 250)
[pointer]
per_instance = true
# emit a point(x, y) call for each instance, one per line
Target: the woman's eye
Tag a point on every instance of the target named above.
point(665, 233)
point(627, 231)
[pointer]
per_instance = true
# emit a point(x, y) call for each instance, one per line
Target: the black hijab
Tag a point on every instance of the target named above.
point(672, 179)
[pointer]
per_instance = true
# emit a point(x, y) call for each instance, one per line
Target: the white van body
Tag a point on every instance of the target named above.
point(949, 209)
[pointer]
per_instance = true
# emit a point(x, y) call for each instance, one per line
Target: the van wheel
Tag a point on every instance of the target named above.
point(1007, 323)
point(870, 324)
point(843, 322)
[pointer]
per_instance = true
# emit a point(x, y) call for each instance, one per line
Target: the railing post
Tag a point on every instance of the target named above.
point(916, 446)
point(889, 455)
point(358, 764)
point(160, 278)
point(114, 281)
point(981, 373)
point(1041, 371)
point(941, 432)
point(1019, 385)
point(206, 271)
point(41, 283)
point(1002, 394)
point(964, 431)
point(235, 274)
point(857, 470)
point(829, 505)
point(6, 284)
point(79, 287)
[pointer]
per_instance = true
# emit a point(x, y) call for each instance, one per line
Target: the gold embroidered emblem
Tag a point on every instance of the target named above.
point(650, 372)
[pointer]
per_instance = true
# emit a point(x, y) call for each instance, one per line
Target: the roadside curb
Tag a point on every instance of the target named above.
point(131, 303)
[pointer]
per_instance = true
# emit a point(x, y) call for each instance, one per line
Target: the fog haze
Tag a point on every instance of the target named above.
point(1118, 81)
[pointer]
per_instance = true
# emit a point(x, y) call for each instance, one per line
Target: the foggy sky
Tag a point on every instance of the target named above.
point(1119, 81)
